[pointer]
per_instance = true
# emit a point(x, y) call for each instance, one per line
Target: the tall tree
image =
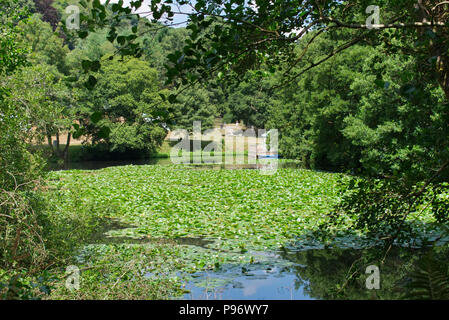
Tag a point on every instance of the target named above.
point(244, 35)
point(48, 12)
point(128, 95)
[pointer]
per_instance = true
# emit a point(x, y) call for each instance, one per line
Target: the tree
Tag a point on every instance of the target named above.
point(48, 12)
point(244, 36)
point(44, 45)
point(228, 38)
point(342, 116)
point(49, 105)
point(194, 104)
point(12, 56)
point(15, 160)
point(128, 95)
point(249, 100)
point(45, 87)
point(312, 109)
point(21, 244)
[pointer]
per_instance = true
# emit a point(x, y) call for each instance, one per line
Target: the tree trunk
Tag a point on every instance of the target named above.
point(439, 46)
point(58, 151)
point(50, 143)
point(443, 71)
point(66, 151)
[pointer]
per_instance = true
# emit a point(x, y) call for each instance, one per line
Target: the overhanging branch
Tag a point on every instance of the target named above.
point(396, 25)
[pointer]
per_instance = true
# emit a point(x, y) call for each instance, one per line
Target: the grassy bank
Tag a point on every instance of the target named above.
point(80, 153)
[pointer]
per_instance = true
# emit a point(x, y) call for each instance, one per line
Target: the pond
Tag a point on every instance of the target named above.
point(300, 270)
point(96, 165)
point(275, 280)
point(329, 274)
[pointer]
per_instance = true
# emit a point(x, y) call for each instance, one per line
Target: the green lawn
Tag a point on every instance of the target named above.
point(76, 152)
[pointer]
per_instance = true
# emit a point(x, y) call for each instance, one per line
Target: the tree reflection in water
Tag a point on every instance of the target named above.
point(340, 273)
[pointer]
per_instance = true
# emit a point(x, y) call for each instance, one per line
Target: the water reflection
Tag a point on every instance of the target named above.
point(405, 273)
point(96, 165)
point(254, 282)
point(340, 273)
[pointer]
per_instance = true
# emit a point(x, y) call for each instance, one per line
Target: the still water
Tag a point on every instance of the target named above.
point(330, 274)
point(271, 283)
point(304, 272)
point(96, 165)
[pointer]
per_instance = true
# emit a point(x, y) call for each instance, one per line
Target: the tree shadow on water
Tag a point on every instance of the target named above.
point(343, 273)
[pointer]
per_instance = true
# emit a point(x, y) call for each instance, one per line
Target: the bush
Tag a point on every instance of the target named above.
point(382, 207)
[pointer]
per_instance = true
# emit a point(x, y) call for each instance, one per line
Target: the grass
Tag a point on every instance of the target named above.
point(77, 152)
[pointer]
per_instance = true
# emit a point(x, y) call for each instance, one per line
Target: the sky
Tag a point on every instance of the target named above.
point(179, 20)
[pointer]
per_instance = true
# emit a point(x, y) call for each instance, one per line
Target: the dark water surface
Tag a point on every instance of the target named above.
point(96, 165)
point(329, 274)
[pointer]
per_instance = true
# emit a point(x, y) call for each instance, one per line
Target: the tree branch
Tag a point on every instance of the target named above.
point(396, 25)
point(313, 65)
point(439, 4)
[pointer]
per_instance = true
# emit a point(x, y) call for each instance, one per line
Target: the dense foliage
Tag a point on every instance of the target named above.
point(372, 103)
point(22, 248)
point(227, 217)
point(128, 94)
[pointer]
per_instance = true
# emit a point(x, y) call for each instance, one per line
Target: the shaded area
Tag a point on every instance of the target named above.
point(96, 165)
point(104, 236)
point(329, 274)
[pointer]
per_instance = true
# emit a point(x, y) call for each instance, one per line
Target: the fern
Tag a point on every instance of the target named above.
point(429, 281)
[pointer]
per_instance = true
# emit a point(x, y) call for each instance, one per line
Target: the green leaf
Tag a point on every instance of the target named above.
point(95, 66)
point(172, 98)
point(95, 117)
point(82, 34)
point(161, 113)
point(91, 82)
point(78, 133)
point(115, 7)
point(121, 40)
point(379, 83)
point(86, 65)
point(104, 132)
